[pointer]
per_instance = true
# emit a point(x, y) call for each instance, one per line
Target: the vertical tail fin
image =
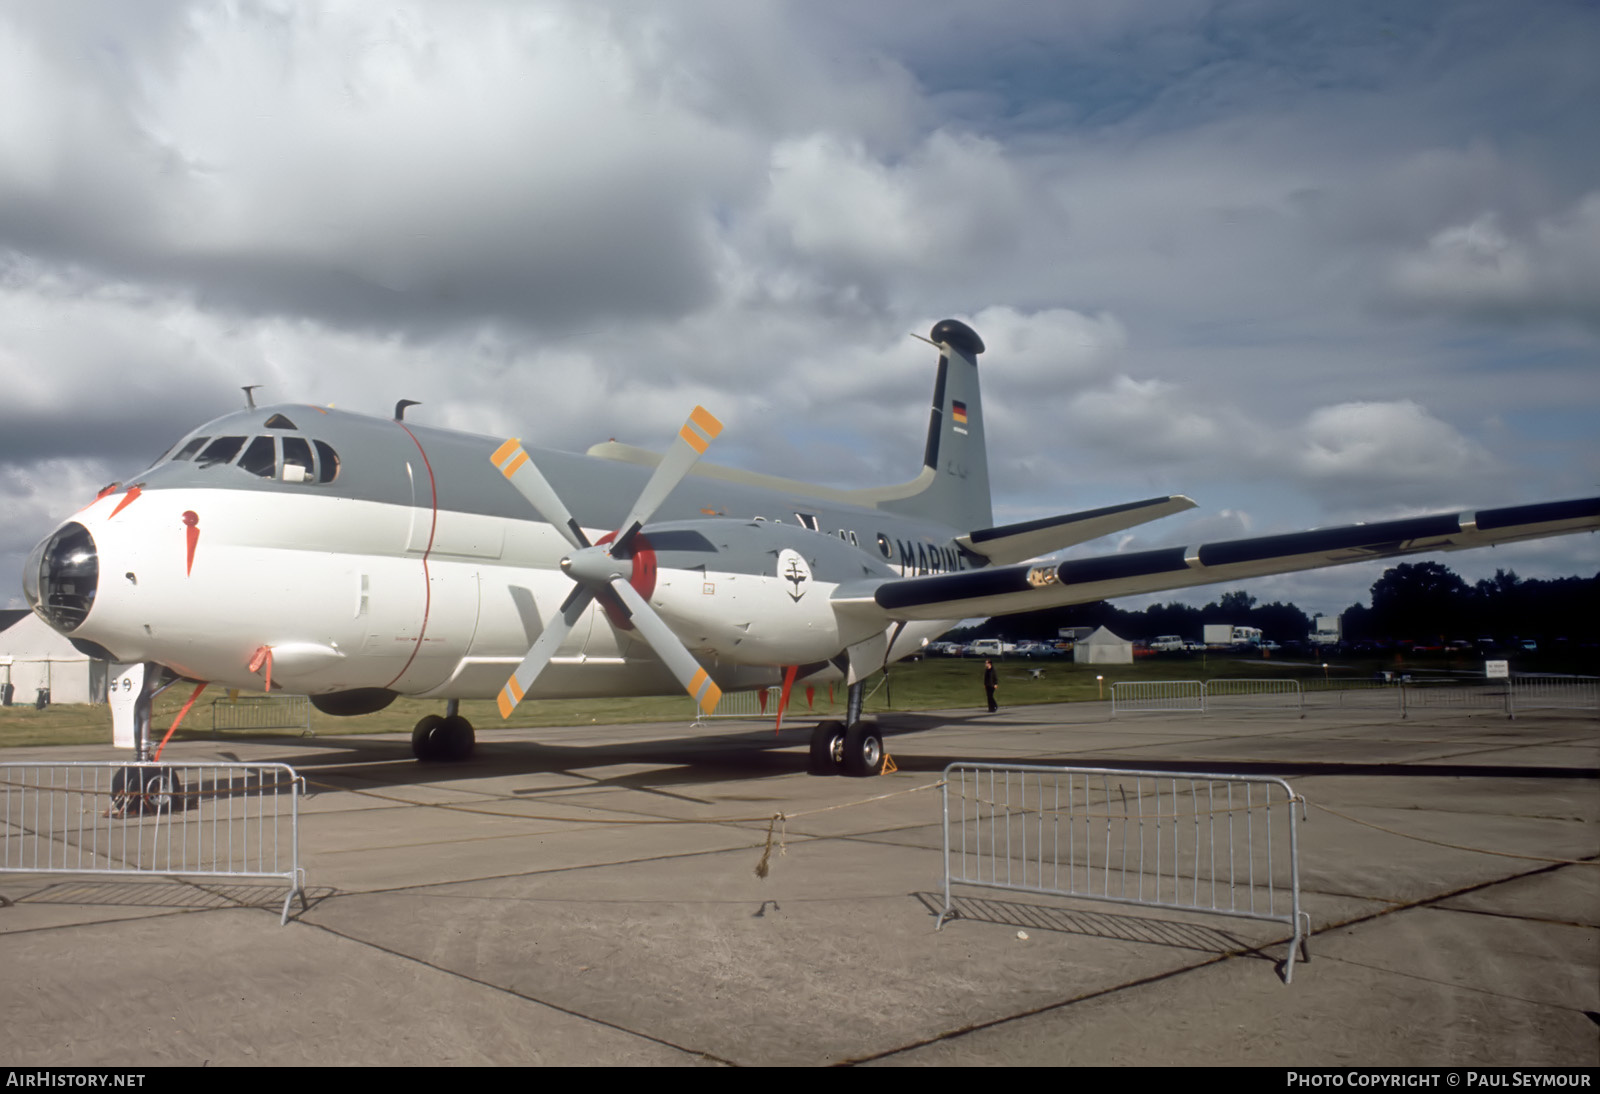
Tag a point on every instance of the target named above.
point(955, 464)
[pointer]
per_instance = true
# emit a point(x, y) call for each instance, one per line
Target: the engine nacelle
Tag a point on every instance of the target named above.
point(758, 592)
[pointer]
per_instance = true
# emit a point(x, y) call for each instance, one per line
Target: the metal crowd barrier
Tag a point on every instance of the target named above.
point(1241, 694)
point(1453, 694)
point(1508, 695)
point(1157, 695)
point(1214, 843)
point(1198, 696)
point(747, 705)
point(1552, 693)
point(262, 712)
point(1403, 694)
point(193, 820)
point(1363, 694)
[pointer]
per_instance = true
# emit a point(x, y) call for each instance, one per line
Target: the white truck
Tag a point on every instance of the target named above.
point(1167, 643)
point(1328, 630)
point(1225, 636)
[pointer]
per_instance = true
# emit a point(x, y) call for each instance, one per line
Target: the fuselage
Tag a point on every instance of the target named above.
point(365, 552)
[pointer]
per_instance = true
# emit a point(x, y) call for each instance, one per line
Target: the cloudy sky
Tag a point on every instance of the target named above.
point(1308, 264)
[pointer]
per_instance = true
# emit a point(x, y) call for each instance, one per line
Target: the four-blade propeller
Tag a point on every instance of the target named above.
point(602, 570)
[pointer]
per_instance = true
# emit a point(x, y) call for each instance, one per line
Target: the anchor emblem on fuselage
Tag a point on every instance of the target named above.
point(793, 569)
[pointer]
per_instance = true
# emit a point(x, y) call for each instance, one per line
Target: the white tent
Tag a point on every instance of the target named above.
point(1103, 648)
point(34, 657)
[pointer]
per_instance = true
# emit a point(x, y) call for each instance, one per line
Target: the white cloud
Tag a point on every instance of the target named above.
point(863, 223)
point(1551, 268)
point(1387, 453)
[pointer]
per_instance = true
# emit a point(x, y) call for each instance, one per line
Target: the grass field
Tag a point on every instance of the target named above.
point(939, 683)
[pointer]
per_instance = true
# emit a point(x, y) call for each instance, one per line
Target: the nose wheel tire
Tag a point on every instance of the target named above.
point(138, 791)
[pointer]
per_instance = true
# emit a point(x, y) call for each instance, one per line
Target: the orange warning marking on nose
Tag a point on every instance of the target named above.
point(127, 499)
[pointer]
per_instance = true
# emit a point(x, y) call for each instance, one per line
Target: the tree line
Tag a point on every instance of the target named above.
point(1423, 602)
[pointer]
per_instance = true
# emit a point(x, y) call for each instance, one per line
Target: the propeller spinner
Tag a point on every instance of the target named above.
point(603, 569)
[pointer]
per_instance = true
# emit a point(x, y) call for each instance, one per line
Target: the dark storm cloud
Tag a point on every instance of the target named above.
point(128, 436)
point(365, 176)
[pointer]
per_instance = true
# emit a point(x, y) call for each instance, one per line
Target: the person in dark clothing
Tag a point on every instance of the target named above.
point(990, 682)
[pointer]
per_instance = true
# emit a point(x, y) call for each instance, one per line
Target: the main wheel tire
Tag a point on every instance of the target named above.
point(456, 738)
point(426, 740)
point(863, 750)
point(827, 749)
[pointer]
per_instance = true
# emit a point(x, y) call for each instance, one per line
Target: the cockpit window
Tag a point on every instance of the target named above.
point(327, 462)
point(286, 458)
point(260, 458)
point(278, 421)
point(187, 451)
point(221, 450)
point(296, 459)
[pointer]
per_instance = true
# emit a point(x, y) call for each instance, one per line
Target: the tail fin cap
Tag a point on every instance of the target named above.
point(956, 334)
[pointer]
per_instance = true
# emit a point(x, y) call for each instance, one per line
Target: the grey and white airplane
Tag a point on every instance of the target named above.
point(356, 559)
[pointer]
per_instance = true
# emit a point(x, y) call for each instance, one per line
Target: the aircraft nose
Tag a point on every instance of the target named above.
point(61, 575)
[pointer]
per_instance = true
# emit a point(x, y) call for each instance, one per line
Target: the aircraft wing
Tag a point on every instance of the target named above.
point(1004, 590)
point(1030, 539)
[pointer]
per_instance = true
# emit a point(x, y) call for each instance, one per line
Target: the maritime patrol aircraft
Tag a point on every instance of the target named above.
point(356, 559)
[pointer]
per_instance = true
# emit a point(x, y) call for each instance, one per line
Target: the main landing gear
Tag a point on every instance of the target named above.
point(848, 748)
point(443, 740)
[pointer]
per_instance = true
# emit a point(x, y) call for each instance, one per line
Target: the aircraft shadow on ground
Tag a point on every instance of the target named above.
point(677, 759)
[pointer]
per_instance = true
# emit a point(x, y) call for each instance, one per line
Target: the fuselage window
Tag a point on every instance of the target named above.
point(296, 459)
point(221, 450)
point(807, 520)
point(187, 451)
point(260, 458)
point(327, 462)
point(883, 546)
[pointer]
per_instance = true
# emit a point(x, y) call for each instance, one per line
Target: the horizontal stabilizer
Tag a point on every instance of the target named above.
point(1030, 539)
point(1007, 589)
